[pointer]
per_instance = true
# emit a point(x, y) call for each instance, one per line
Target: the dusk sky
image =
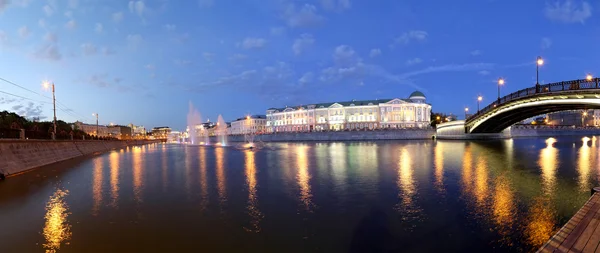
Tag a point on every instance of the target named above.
point(142, 62)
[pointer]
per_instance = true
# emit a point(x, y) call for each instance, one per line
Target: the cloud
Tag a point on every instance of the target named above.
point(42, 23)
point(335, 5)
point(181, 38)
point(484, 72)
point(306, 40)
point(304, 17)
point(208, 56)
point(345, 55)
point(69, 14)
point(134, 40)
point(170, 27)
point(51, 37)
point(306, 78)
point(137, 7)
point(24, 32)
point(3, 5)
point(117, 17)
point(375, 52)
point(4, 100)
point(89, 49)
point(107, 51)
point(99, 28)
point(206, 3)
point(48, 10)
point(150, 67)
point(250, 43)
point(48, 51)
point(275, 31)
point(238, 57)
point(407, 37)
point(546, 43)
point(71, 24)
point(3, 38)
point(73, 4)
point(29, 110)
point(414, 61)
point(568, 11)
point(181, 62)
point(476, 52)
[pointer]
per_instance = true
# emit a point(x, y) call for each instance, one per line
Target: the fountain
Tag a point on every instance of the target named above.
point(205, 136)
point(221, 131)
point(193, 119)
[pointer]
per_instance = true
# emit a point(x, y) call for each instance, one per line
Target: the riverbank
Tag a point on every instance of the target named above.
point(17, 156)
point(404, 134)
point(549, 132)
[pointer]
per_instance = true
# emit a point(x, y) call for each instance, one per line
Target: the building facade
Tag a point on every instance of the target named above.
point(92, 129)
point(120, 132)
point(255, 124)
point(395, 113)
point(578, 118)
point(160, 132)
point(137, 132)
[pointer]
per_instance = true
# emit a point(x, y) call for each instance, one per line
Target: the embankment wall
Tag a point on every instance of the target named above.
point(406, 134)
point(21, 155)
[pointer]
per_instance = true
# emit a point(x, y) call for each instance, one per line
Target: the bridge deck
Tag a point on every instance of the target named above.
point(581, 233)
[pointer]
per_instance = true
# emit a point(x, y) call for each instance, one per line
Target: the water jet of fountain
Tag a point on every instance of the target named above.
point(221, 131)
point(193, 120)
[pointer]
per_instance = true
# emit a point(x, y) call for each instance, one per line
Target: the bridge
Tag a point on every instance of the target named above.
point(526, 103)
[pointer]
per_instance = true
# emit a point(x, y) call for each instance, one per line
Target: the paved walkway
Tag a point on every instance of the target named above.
point(581, 233)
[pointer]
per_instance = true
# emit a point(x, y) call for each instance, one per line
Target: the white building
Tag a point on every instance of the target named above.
point(250, 124)
point(92, 129)
point(413, 112)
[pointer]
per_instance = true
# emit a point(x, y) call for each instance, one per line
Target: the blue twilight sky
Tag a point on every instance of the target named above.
point(143, 61)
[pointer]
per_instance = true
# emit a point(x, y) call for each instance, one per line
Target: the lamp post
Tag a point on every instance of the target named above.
point(538, 63)
point(500, 82)
point(584, 115)
point(97, 128)
point(466, 110)
point(46, 86)
point(479, 98)
point(589, 77)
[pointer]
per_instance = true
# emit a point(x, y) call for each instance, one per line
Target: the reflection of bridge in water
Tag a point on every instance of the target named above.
point(495, 119)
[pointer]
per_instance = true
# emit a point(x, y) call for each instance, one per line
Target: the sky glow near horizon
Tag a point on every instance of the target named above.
point(142, 62)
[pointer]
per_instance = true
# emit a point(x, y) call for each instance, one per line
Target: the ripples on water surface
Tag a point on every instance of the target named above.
point(419, 196)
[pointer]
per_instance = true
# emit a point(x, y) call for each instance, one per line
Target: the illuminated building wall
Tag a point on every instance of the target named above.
point(249, 124)
point(413, 112)
point(91, 129)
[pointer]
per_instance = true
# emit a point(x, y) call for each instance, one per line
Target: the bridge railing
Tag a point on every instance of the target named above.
point(580, 84)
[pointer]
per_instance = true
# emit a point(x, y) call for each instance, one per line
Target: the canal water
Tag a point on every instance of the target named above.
point(409, 196)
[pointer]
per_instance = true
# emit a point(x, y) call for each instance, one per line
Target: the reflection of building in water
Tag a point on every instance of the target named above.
point(438, 153)
point(220, 171)
point(413, 112)
point(583, 165)
point(203, 179)
point(97, 184)
point(57, 229)
point(114, 177)
point(406, 182)
point(303, 177)
point(137, 173)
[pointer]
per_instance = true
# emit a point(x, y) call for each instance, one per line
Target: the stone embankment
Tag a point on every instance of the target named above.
point(405, 134)
point(21, 155)
point(550, 132)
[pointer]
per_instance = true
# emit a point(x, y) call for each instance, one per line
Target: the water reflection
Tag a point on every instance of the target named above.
point(114, 178)
point(253, 211)
point(165, 167)
point(467, 170)
point(97, 185)
point(337, 156)
point(503, 207)
point(137, 174)
point(584, 159)
point(541, 222)
point(548, 163)
point(407, 186)
point(203, 179)
point(221, 187)
point(188, 171)
point(438, 154)
point(481, 181)
point(57, 229)
point(303, 177)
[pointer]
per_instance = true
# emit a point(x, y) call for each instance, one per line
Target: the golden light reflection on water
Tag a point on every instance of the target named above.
point(253, 211)
point(583, 167)
point(541, 222)
point(338, 161)
point(138, 183)
point(303, 177)
point(221, 187)
point(548, 163)
point(188, 171)
point(57, 229)
point(203, 179)
point(165, 167)
point(97, 184)
point(407, 186)
point(481, 181)
point(438, 154)
point(114, 178)
point(503, 207)
point(467, 173)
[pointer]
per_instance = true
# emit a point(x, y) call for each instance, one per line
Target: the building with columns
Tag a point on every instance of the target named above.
point(396, 113)
point(254, 124)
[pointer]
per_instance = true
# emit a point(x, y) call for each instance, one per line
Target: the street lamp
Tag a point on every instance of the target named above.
point(466, 110)
point(538, 63)
point(589, 77)
point(583, 118)
point(500, 82)
point(47, 85)
point(479, 101)
point(97, 131)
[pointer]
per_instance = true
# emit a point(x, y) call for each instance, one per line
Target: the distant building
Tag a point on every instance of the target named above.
point(120, 132)
point(161, 132)
point(174, 137)
point(574, 118)
point(413, 112)
point(138, 132)
point(249, 124)
point(92, 129)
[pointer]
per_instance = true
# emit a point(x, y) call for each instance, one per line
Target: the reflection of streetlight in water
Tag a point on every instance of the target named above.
point(56, 229)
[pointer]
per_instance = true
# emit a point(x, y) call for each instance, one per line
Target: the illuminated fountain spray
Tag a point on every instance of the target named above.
point(193, 119)
point(221, 131)
point(205, 136)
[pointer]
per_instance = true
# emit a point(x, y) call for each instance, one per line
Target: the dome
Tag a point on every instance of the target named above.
point(417, 95)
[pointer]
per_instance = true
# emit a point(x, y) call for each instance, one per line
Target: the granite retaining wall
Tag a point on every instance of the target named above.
point(22, 155)
point(548, 132)
point(408, 134)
